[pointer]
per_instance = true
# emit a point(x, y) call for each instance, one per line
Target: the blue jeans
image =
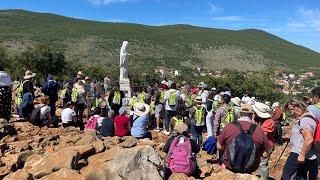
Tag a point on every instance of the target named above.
point(292, 166)
point(168, 116)
point(196, 132)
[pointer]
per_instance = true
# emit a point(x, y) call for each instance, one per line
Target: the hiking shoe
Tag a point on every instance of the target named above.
point(166, 132)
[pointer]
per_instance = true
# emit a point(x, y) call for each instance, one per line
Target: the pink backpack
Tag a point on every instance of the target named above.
point(92, 122)
point(180, 157)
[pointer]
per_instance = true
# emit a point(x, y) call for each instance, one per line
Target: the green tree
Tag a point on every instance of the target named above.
point(43, 60)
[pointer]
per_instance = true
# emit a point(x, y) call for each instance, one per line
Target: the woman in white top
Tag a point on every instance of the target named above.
point(68, 115)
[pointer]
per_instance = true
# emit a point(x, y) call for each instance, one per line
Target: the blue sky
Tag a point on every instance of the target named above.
point(297, 21)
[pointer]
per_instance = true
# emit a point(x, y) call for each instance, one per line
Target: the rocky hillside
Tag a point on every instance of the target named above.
point(175, 46)
point(28, 152)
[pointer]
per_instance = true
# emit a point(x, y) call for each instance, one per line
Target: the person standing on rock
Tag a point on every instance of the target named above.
point(302, 159)
point(50, 89)
point(159, 95)
point(243, 140)
point(115, 99)
point(267, 124)
point(80, 102)
point(5, 94)
point(171, 104)
point(106, 83)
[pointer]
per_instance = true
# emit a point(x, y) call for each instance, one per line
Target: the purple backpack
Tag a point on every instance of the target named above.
point(92, 122)
point(180, 157)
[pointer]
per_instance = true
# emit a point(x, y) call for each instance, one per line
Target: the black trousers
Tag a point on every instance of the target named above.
point(79, 109)
point(292, 166)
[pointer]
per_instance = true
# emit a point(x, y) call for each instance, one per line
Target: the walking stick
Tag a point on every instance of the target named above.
point(281, 155)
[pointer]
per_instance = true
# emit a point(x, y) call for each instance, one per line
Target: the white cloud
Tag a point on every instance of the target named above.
point(306, 20)
point(214, 8)
point(106, 2)
point(311, 16)
point(296, 27)
point(228, 18)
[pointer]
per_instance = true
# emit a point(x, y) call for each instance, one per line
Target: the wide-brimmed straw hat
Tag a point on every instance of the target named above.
point(141, 109)
point(236, 101)
point(246, 108)
point(29, 74)
point(181, 128)
point(262, 110)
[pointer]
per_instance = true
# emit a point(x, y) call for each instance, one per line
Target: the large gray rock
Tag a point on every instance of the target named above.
point(226, 174)
point(20, 174)
point(67, 158)
point(140, 162)
point(64, 174)
point(129, 142)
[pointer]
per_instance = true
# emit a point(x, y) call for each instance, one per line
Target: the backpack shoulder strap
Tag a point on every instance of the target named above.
point(252, 128)
point(236, 123)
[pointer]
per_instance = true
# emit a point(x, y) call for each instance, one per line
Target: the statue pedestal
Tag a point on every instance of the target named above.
point(125, 87)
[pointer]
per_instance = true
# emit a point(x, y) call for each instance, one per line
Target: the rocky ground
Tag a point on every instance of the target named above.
point(28, 152)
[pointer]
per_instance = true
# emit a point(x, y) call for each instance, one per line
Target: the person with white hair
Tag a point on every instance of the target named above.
point(246, 99)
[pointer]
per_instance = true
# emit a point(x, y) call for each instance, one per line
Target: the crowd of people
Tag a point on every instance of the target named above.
point(240, 133)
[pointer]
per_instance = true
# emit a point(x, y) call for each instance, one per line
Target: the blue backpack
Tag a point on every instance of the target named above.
point(210, 146)
point(242, 150)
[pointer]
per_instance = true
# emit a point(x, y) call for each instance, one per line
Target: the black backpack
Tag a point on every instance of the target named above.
point(35, 116)
point(242, 150)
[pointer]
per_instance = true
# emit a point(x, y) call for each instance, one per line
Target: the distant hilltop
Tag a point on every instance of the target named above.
point(173, 46)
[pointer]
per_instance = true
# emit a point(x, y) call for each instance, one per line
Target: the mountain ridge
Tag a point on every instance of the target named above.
point(178, 46)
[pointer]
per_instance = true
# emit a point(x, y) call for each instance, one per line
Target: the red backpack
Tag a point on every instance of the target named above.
point(316, 137)
point(180, 157)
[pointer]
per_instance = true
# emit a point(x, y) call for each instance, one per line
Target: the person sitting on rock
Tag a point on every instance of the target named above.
point(68, 115)
point(140, 121)
point(180, 140)
point(244, 142)
point(122, 123)
point(45, 115)
point(92, 122)
point(105, 125)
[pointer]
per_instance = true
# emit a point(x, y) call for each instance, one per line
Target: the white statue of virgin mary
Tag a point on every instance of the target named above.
point(124, 62)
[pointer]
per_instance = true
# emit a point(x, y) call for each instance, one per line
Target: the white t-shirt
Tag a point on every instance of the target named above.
point(246, 99)
point(204, 98)
point(43, 111)
point(67, 115)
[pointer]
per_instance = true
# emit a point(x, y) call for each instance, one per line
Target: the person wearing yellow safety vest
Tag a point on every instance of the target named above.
point(197, 115)
point(159, 101)
point(221, 114)
point(176, 120)
point(133, 102)
point(115, 99)
point(171, 104)
point(25, 87)
point(142, 96)
point(69, 94)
